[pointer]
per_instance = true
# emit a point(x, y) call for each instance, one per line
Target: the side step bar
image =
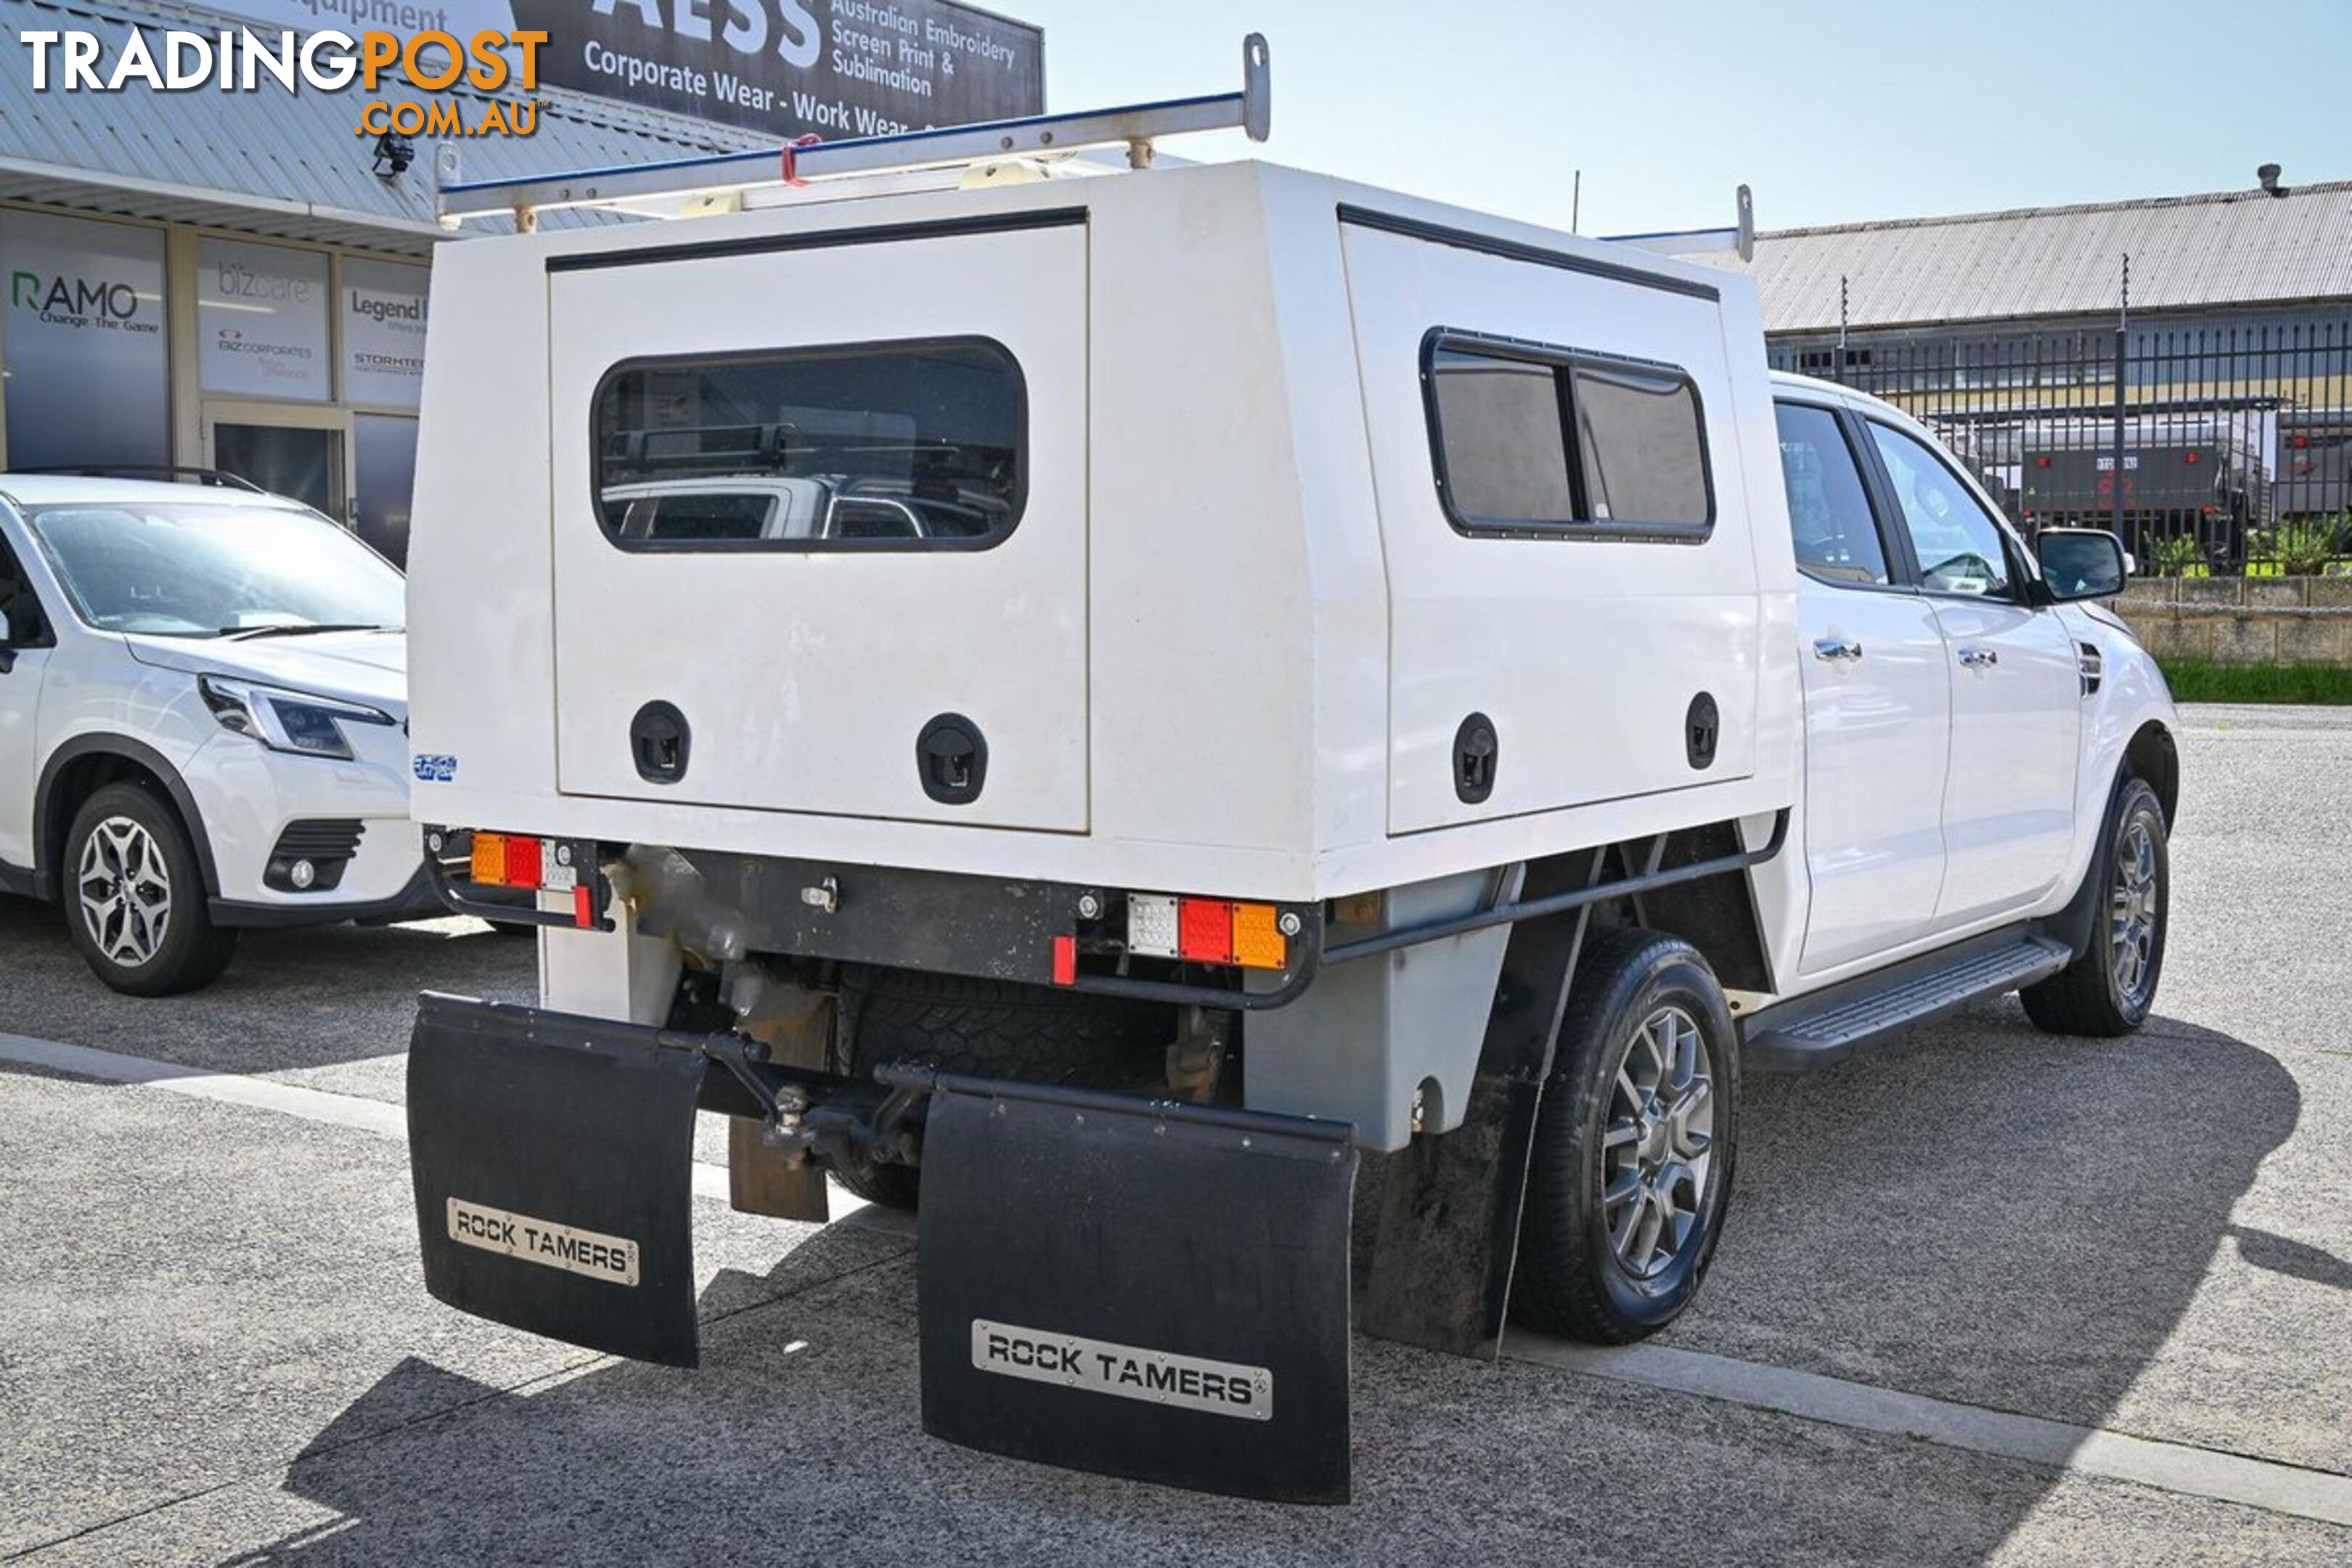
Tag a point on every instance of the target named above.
point(1813, 1031)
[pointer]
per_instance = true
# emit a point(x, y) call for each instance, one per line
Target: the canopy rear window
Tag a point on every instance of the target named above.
point(902, 446)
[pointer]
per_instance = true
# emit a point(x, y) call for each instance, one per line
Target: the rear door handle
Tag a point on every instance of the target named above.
point(1837, 649)
point(1979, 658)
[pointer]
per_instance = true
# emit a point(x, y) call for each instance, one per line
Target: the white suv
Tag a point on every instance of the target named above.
point(203, 717)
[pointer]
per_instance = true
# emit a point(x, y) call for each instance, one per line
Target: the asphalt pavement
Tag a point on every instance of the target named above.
point(1986, 1296)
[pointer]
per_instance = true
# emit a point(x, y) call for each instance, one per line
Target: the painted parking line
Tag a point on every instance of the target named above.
point(2093, 1451)
point(309, 1104)
point(2170, 1467)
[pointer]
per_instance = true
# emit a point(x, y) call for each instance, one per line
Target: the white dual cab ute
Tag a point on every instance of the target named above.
point(1361, 690)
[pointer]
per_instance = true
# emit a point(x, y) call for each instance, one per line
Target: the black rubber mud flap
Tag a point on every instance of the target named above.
point(1138, 1288)
point(553, 1157)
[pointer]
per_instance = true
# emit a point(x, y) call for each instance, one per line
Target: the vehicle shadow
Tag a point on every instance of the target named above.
point(1981, 1213)
point(1987, 1214)
point(292, 999)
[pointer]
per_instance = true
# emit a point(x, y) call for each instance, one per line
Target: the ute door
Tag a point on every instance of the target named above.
point(865, 592)
point(1877, 707)
point(2016, 682)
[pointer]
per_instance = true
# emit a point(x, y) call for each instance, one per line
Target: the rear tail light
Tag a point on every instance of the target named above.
point(1208, 931)
point(524, 861)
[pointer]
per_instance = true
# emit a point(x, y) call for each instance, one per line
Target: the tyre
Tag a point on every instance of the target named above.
point(134, 896)
point(1635, 1139)
point(992, 1028)
point(2110, 986)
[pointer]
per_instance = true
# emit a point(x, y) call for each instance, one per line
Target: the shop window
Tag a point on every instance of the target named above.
point(88, 354)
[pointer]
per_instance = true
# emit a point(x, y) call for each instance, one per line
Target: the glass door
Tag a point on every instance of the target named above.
point(297, 452)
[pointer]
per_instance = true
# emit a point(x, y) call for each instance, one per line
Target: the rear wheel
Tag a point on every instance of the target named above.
point(134, 896)
point(2110, 986)
point(992, 1028)
point(1631, 1170)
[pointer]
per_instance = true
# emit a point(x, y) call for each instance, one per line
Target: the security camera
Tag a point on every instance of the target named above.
point(393, 154)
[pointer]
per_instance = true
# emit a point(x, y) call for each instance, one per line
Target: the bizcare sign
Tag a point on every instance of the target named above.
point(835, 67)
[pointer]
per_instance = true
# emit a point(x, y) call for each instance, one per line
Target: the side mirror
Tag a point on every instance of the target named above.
point(2082, 562)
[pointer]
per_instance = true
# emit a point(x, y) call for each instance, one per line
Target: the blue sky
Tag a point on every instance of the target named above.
point(1834, 110)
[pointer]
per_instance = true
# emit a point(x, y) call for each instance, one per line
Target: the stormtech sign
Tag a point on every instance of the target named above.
point(836, 68)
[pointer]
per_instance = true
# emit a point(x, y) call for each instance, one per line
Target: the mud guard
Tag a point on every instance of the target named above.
point(1445, 1236)
point(1143, 1290)
point(553, 1161)
point(1132, 1288)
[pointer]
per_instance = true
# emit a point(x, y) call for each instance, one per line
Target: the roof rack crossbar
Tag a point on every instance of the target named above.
point(1135, 127)
point(1740, 237)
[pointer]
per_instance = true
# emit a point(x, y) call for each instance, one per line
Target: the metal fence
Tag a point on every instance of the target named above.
point(2213, 452)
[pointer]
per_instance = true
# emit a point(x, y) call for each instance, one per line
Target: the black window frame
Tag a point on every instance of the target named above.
point(1442, 339)
point(1017, 499)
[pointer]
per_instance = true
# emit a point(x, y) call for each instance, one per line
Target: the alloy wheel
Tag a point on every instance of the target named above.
point(2132, 912)
point(1658, 1144)
point(124, 887)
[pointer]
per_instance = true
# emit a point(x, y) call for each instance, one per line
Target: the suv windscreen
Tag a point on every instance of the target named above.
point(908, 446)
point(1829, 511)
point(1958, 545)
point(172, 569)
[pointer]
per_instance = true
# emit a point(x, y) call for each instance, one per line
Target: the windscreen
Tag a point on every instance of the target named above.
point(195, 569)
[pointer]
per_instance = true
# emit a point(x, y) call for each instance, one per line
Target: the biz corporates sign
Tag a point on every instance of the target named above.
point(833, 68)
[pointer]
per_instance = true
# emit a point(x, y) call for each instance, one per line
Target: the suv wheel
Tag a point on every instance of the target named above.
point(1635, 1137)
point(2109, 988)
point(134, 896)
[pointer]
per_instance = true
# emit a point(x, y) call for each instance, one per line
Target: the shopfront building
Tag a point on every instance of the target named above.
point(238, 281)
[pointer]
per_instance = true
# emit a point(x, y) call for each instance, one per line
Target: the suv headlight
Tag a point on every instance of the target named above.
point(286, 721)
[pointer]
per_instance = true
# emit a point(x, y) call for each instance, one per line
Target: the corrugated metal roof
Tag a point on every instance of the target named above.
point(275, 163)
point(2233, 248)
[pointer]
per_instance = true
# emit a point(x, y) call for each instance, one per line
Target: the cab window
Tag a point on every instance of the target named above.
point(1829, 510)
point(1957, 544)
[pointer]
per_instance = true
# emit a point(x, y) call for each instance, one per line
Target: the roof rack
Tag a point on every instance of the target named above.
point(719, 181)
point(221, 477)
point(1740, 236)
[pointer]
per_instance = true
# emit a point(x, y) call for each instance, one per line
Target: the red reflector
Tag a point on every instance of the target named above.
point(583, 908)
point(2194, 457)
point(1205, 930)
point(1066, 961)
point(2301, 442)
point(2041, 462)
